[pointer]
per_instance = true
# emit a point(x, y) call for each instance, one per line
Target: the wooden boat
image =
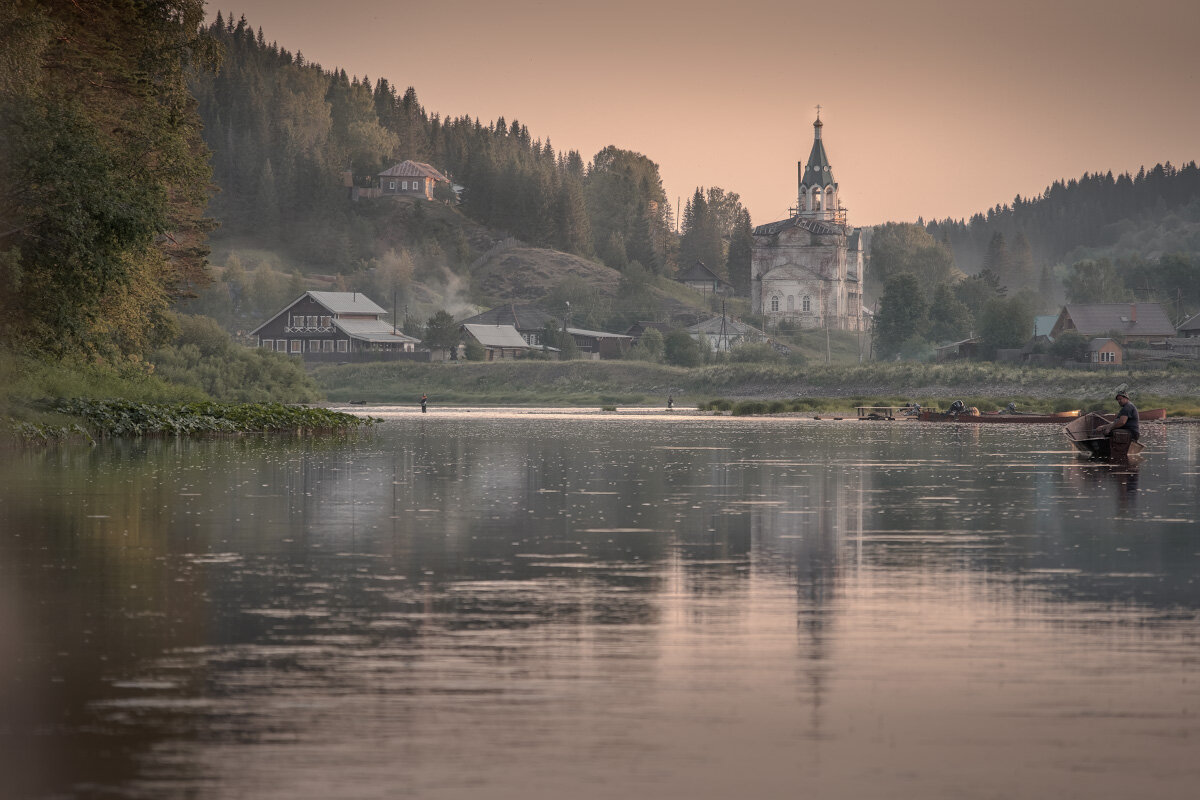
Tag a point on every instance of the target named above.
point(1149, 415)
point(997, 417)
point(1087, 439)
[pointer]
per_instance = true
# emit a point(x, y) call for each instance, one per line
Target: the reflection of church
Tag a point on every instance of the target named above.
point(809, 269)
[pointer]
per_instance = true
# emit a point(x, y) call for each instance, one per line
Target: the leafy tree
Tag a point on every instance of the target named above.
point(441, 330)
point(681, 350)
point(650, 345)
point(976, 290)
point(903, 314)
point(905, 248)
point(1006, 322)
point(949, 318)
point(1095, 282)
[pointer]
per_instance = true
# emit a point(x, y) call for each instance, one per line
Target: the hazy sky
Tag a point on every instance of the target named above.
point(930, 108)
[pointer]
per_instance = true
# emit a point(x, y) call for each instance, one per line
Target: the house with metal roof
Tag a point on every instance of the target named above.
point(499, 342)
point(530, 321)
point(1133, 322)
point(336, 326)
point(1107, 352)
point(724, 333)
point(411, 178)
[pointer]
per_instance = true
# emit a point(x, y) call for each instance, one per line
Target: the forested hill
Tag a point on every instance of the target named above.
point(283, 131)
point(1154, 213)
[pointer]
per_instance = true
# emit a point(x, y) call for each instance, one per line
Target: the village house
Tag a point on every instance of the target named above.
point(1105, 352)
point(703, 279)
point(638, 328)
point(723, 333)
point(530, 322)
point(336, 326)
point(809, 269)
point(411, 178)
point(1134, 322)
point(499, 342)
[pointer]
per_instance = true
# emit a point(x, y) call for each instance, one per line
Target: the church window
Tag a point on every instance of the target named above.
point(806, 304)
point(775, 303)
point(791, 303)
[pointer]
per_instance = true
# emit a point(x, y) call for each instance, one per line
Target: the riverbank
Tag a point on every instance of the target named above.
point(633, 383)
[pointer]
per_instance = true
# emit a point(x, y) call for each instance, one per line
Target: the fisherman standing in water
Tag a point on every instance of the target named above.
point(670, 402)
point(424, 400)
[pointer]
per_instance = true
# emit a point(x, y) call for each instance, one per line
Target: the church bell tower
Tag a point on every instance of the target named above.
point(818, 195)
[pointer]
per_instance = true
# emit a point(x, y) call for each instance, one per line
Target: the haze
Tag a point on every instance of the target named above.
point(931, 108)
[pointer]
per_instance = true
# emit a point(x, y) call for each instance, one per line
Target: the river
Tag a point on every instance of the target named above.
point(553, 604)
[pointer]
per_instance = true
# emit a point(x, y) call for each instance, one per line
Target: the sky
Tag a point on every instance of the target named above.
point(931, 108)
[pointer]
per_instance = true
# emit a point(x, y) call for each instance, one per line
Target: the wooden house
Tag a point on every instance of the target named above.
point(499, 342)
point(636, 330)
point(336, 326)
point(1106, 352)
point(411, 178)
point(703, 279)
point(530, 321)
point(1135, 322)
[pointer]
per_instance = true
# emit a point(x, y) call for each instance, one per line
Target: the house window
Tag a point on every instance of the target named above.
point(312, 321)
point(266, 344)
point(806, 304)
point(295, 345)
point(774, 303)
point(327, 346)
point(343, 345)
point(392, 185)
point(404, 186)
point(281, 345)
point(326, 322)
point(297, 321)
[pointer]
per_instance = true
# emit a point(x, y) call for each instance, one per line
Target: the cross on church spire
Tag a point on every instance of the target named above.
point(818, 110)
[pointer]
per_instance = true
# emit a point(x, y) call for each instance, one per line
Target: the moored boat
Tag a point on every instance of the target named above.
point(1020, 419)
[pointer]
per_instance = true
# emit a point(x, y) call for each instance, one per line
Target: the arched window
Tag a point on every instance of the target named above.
point(791, 303)
point(816, 205)
point(775, 303)
point(806, 304)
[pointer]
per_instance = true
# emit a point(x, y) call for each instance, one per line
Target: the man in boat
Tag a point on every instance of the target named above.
point(1127, 418)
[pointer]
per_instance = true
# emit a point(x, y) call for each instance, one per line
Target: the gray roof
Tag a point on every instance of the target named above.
point(1096, 345)
point(1092, 319)
point(372, 330)
point(346, 302)
point(523, 317)
point(699, 272)
point(413, 169)
point(817, 226)
point(1190, 324)
point(597, 334)
point(733, 327)
point(1043, 324)
point(496, 335)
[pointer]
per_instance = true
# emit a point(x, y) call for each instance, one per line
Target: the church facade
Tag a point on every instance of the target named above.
point(809, 269)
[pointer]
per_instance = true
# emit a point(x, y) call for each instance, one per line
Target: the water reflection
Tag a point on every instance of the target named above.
point(549, 605)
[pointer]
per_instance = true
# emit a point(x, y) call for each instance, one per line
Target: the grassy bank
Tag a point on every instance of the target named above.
point(597, 383)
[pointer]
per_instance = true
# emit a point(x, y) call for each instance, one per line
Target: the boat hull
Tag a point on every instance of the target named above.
point(1007, 419)
point(1086, 438)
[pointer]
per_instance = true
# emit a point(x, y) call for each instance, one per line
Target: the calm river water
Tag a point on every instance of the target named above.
point(493, 604)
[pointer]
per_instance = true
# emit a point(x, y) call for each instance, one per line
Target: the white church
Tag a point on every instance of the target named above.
point(809, 270)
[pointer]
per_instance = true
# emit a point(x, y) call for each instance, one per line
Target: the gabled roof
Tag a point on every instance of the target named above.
point(1043, 324)
point(496, 335)
point(1190, 324)
point(699, 272)
point(597, 334)
point(372, 330)
point(347, 302)
point(1095, 345)
point(1131, 319)
point(413, 169)
point(523, 317)
point(334, 302)
point(733, 327)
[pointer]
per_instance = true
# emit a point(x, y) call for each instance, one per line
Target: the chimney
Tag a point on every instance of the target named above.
point(1133, 313)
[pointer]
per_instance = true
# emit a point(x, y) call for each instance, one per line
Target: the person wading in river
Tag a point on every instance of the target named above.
point(424, 400)
point(1127, 418)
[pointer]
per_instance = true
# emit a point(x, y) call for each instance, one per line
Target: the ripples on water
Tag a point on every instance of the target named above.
point(541, 604)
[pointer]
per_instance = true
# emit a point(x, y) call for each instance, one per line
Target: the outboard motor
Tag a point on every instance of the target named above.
point(957, 407)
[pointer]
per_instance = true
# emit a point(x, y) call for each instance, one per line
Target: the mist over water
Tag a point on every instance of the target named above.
point(547, 604)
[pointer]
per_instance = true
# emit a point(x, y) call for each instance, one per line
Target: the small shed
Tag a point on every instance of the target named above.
point(1107, 352)
point(1189, 328)
point(967, 348)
